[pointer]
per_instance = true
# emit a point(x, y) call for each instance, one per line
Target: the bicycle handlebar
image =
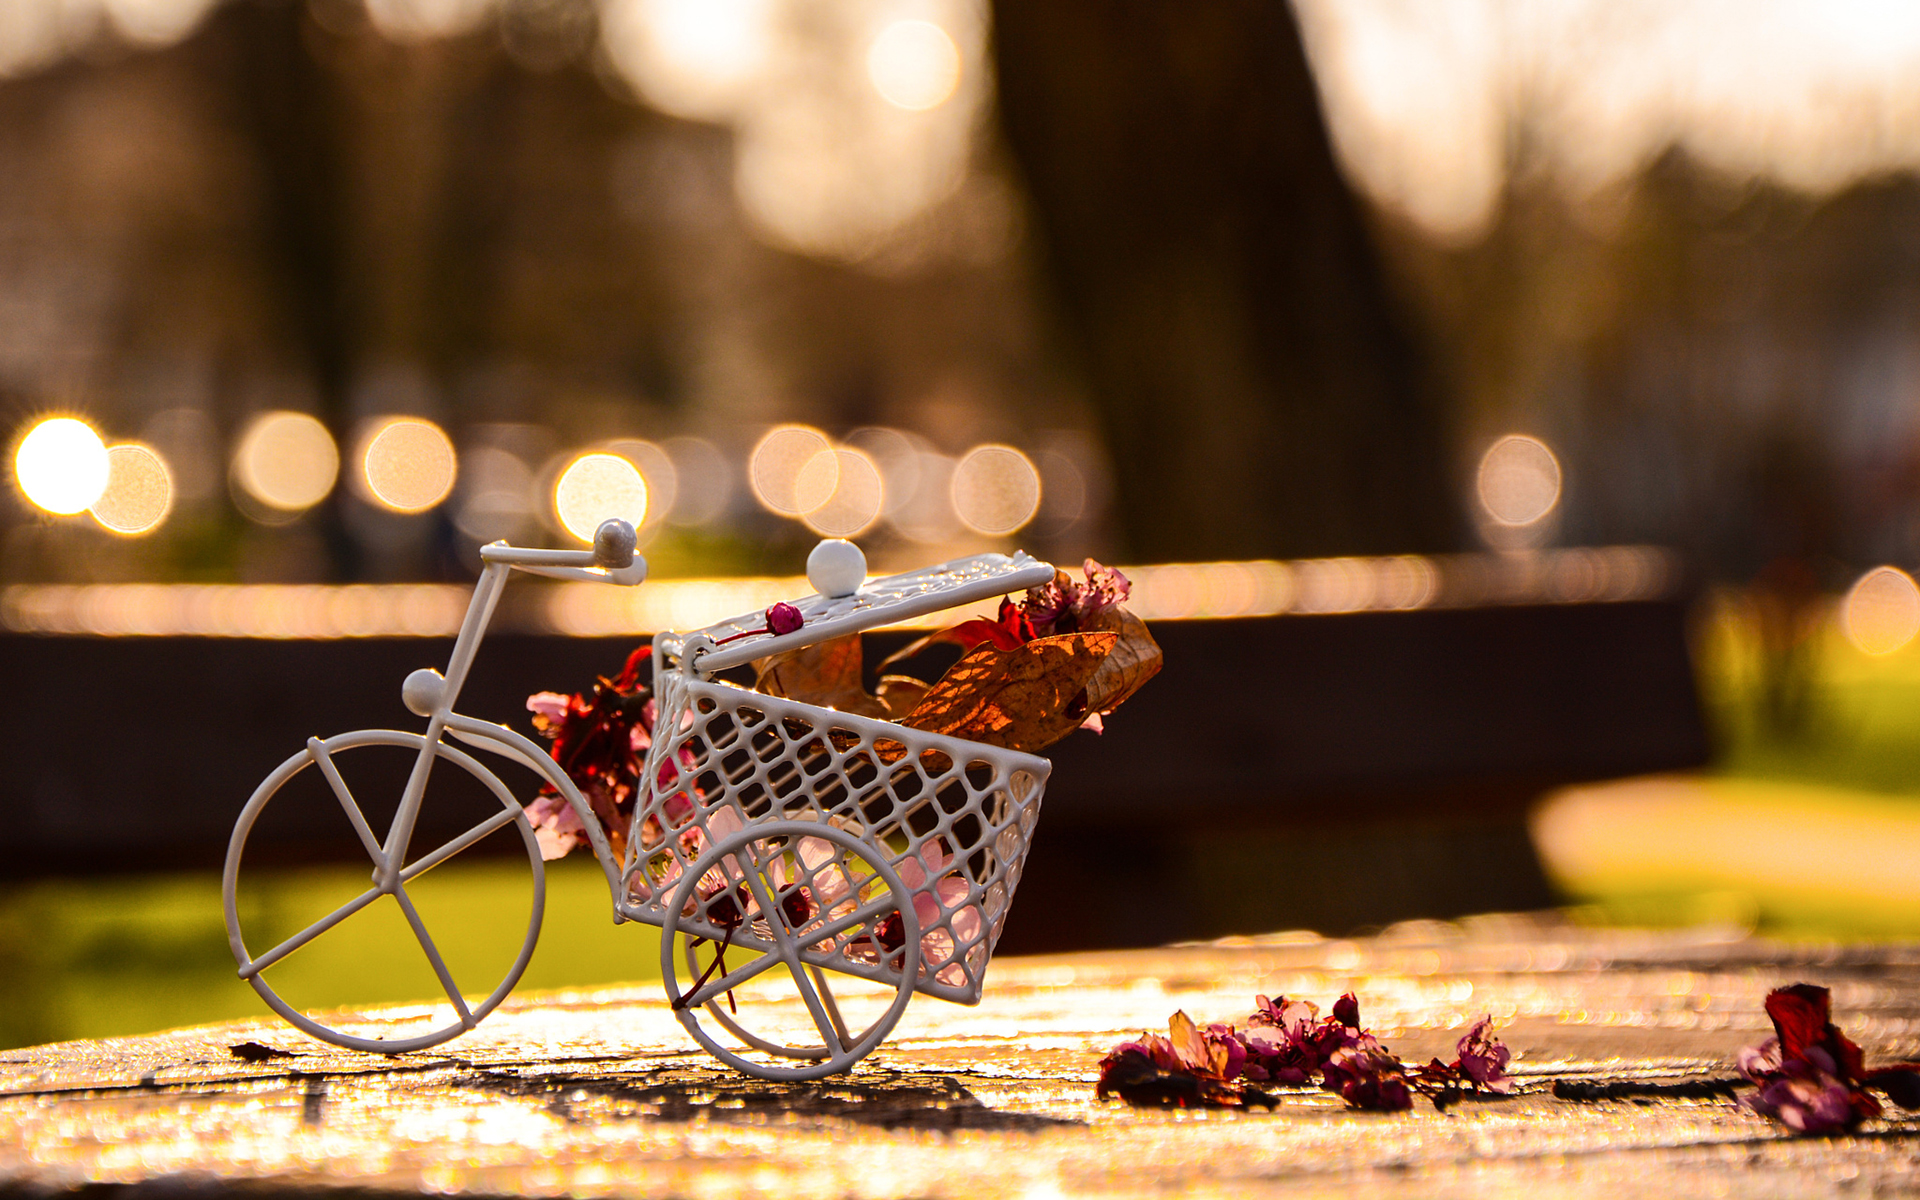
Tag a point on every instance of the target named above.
point(611, 560)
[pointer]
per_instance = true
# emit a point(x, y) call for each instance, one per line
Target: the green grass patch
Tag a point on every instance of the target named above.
point(121, 955)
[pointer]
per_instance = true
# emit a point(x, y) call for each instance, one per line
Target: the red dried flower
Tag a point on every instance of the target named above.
point(1810, 1076)
point(783, 618)
point(600, 738)
point(1063, 606)
point(1483, 1060)
point(1287, 1042)
point(1190, 1068)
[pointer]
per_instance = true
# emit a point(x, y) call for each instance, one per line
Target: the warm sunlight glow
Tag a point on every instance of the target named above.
point(1519, 480)
point(287, 461)
point(914, 65)
point(408, 464)
point(855, 496)
point(657, 469)
point(61, 465)
point(996, 490)
point(1882, 611)
point(139, 491)
point(691, 58)
point(775, 467)
point(597, 487)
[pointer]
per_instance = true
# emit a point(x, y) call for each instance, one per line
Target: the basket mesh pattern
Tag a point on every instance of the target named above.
point(953, 818)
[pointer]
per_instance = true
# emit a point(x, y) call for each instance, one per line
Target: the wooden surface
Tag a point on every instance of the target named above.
point(602, 1093)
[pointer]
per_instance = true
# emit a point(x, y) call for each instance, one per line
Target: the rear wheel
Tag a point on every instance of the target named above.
point(824, 943)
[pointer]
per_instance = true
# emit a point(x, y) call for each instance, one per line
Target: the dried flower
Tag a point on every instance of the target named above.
point(1483, 1060)
point(1063, 606)
point(1810, 1076)
point(600, 738)
point(1367, 1077)
point(1807, 1096)
point(783, 618)
point(1189, 1068)
point(1288, 1042)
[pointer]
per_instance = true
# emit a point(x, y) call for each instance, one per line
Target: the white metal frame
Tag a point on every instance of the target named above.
point(823, 798)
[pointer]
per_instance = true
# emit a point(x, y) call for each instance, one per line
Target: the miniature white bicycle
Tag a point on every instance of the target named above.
point(793, 836)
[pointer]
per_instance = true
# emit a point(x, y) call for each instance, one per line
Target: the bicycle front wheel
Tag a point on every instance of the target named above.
point(380, 935)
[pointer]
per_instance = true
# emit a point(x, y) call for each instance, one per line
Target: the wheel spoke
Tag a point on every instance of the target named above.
point(833, 1008)
point(853, 920)
point(255, 966)
point(776, 920)
point(355, 817)
point(426, 863)
point(433, 956)
point(818, 1011)
point(731, 980)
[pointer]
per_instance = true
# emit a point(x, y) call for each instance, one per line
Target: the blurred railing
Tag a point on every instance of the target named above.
point(1161, 592)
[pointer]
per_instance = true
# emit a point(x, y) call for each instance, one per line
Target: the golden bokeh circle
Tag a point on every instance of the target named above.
point(995, 490)
point(408, 464)
point(857, 495)
point(597, 487)
point(1881, 612)
point(61, 465)
point(776, 464)
point(286, 461)
point(139, 491)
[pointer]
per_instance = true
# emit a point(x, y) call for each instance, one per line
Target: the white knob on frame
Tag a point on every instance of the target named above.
point(836, 568)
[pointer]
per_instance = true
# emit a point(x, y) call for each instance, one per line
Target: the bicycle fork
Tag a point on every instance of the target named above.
point(430, 694)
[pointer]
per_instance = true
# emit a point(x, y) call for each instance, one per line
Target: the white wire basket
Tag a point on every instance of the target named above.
point(952, 819)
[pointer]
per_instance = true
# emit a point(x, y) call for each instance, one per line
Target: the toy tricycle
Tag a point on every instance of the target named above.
point(794, 836)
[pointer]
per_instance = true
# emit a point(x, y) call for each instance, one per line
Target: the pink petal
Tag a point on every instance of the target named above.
point(829, 885)
point(551, 705)
point(933, 852)
point(723, 822)
point(911, 873)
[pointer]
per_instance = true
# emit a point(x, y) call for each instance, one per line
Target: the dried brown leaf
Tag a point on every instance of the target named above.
point(825, 673)
point(1026, 698)
point(901, 694)
point(1135, 659)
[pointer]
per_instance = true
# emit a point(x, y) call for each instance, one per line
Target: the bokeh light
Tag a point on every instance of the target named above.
point(914, 65)
point(656, 468)
point(139, 491)
point(856, 496)
point(61, 465)
point(408, 464)
point(898, 456)
point(597, 487)
point(1064, 491)
point(1882, 611)
point(995, 489)
point(421, 20)
point(286, 461)
point(774, 469)
point(1519, 480)
point(690, 58)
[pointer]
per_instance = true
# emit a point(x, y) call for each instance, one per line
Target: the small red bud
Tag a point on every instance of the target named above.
point(783, 618)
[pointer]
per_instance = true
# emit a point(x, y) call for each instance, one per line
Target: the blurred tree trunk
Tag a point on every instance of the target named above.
point(1216, 277)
